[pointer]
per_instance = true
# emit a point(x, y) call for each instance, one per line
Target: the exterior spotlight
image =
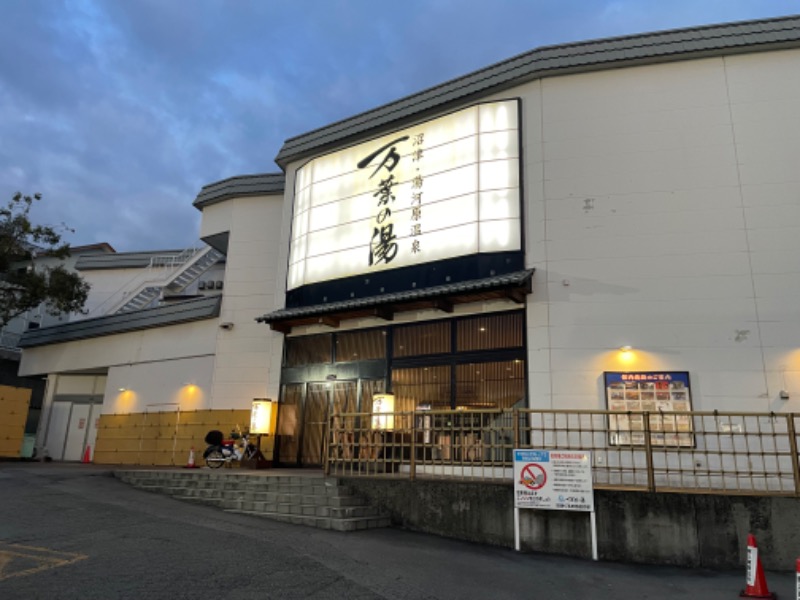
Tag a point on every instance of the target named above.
point(625, 348)
point(123, 389)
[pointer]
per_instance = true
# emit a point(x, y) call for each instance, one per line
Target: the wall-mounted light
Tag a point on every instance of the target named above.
point(626, 354)
point(227, 325)
point(122, 389)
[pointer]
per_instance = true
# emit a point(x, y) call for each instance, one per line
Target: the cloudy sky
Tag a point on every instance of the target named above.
point(119, 111)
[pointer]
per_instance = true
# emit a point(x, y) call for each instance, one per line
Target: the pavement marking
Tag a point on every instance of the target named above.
point(17, 560)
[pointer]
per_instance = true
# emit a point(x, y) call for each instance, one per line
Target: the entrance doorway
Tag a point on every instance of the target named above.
point(71, 428)
point(305, 410)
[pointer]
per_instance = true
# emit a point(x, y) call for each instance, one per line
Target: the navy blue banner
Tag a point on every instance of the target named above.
point(648, 376)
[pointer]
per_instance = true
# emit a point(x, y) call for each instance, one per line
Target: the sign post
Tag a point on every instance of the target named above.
point(554, 480)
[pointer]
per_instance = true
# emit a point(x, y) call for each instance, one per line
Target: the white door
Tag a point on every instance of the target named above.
point(57, 429)
point(77, 431)
point(94, 421)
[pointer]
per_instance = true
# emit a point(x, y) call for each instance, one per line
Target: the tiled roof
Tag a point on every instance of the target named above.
point(242, 185)
point(518, 278)
point(662, 46)
point(169, 314)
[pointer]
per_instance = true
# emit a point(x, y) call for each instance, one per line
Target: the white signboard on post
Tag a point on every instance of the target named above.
point(554, 480)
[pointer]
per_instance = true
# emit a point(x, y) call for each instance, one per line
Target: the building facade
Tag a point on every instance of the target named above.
point(600, 225)
point(21, 398)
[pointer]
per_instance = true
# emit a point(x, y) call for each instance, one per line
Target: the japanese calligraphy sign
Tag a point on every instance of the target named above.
point(553, 480)
point(440, 189)
point(662, 395)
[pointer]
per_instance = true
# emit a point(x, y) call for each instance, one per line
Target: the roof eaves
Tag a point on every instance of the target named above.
point(497, 281)
point(697, 42)
point(171, 314)
point(240, 185)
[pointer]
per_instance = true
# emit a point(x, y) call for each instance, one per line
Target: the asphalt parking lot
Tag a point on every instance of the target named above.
point(73, 531)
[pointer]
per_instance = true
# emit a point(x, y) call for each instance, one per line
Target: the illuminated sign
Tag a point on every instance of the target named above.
point(263, 415)
point(383, 411)
point(444, 188)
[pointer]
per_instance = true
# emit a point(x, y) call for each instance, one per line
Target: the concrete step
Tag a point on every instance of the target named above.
point(311, 510)
point(217, 502)
point(348, 524)
point(309, 501)
point(343, 499)
point(357, 524)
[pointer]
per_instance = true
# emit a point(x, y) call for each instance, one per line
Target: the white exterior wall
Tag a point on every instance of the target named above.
point(244, 367)
point(149, 345)
point(662, 212)
point(104, 284)
point(79, 385)
point(282, 269)
point(216, 219)
point(111, 288)
point(193, 365)
point(159, 386)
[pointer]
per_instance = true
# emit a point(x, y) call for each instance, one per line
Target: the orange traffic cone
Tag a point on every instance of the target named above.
point(797, 568)
point(756, 582)
point(87, 455)
point(190, 464)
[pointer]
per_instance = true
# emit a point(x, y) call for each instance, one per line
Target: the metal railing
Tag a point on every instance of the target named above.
point(174, 260)
point(159, 272)
point(695, 452)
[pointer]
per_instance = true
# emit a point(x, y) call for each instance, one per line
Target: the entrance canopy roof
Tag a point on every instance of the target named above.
point(513, 286)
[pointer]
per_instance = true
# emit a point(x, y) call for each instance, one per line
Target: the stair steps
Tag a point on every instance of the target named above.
point(143, 299)
point(197, 268)
point(148, 297)
point(313, 501)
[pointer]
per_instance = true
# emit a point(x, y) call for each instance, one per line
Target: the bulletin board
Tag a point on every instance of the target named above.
point(661, 397)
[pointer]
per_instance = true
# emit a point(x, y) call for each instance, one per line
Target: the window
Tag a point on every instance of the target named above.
point(490, 385)
point(361, 345)
point(490, 332)
point(309, 350)
point(421, 340)
point(421, 388)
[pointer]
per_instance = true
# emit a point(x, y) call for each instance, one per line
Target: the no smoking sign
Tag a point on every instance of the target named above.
point(533, 476)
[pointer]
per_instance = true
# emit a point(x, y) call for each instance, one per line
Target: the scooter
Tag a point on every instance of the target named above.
point(221, 451)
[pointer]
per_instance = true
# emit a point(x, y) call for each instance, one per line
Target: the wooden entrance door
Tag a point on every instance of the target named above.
point(302, 440)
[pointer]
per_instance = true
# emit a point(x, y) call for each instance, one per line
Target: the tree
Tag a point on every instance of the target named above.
point(25, 281)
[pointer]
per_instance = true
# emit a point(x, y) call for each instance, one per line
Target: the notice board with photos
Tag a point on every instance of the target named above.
point(664, 395)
